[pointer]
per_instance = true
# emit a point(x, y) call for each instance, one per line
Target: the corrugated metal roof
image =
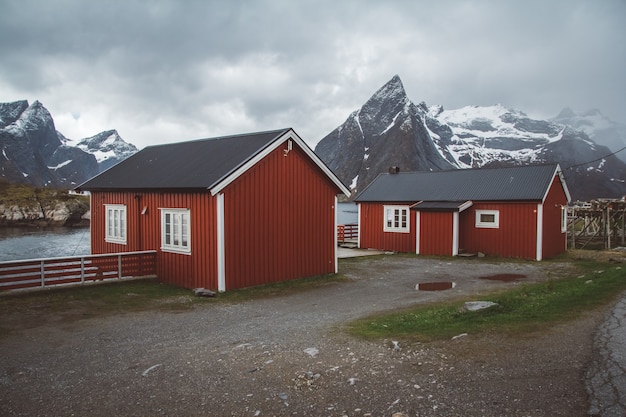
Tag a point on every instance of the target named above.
point(194, 164)
point(522, 183)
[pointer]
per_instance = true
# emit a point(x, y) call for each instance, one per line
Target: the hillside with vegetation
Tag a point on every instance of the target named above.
point(25, 205)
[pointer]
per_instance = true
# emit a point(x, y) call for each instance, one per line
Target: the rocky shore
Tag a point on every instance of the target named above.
point(61, 213)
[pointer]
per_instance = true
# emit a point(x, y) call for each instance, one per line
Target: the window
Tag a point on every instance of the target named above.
point(488, 218)
point(115, 223)
point(175, 230)
point(396, 219)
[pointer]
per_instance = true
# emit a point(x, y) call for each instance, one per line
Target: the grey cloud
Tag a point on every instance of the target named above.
point(223, 66)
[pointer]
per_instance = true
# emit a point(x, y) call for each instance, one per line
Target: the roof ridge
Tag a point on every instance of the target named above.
point(473, 169)
point(278, 132)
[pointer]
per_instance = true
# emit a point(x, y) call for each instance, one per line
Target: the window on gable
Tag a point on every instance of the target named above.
point(488, 218)
point(115, 223)
point(175, 230)
point(396, 219)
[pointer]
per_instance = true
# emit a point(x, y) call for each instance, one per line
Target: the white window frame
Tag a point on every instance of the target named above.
point(176, 235)
point(116, 223)
point(393, 220)
point(488, 225)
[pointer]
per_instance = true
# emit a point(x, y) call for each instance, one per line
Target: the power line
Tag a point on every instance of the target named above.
point(596, 160)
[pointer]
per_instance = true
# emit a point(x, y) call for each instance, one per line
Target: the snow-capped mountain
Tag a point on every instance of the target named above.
point(108, 148)
point(598, 127)
point(387, 131)
point(34, 152)
point(390, 130)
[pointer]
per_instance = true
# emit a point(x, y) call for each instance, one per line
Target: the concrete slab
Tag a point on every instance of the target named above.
point(353, 253)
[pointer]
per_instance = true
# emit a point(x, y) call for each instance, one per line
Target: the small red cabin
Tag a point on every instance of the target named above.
point(515, 212)
point(222, 213)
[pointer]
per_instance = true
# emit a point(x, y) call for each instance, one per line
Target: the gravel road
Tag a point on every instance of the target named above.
point(287, 355)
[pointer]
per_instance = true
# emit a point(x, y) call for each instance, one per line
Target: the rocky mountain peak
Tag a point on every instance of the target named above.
point(9, 112)
point(33, 152)
point(598, 127)
point(108, 148)
point(384, 105)
point(389, 130)
point(566, 113)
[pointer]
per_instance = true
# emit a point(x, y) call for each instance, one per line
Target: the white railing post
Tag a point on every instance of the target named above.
point(25, 274)
point(43, 274)
point(82, 269)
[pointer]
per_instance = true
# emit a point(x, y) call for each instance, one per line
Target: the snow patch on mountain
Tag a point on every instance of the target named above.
point(108, 147)
point(35, 152)
point(390, 130)
point(61, 165)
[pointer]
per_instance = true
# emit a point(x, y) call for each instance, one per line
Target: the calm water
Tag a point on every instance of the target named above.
point(347, 213)
point(32, 243)
point(50, 242)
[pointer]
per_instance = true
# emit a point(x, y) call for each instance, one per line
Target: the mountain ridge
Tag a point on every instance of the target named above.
point(390, 130)
point(35, 153)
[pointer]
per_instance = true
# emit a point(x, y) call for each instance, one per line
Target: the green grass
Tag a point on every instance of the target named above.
point(29, 196)
point(31, 309)
point(525, 309)
point(99, 298)
point(280, 288)
point(35, 308)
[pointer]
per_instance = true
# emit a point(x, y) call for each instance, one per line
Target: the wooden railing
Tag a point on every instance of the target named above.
point(347, 233)
point(76, 269)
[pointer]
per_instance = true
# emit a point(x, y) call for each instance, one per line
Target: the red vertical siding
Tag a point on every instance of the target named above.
point(198, 269)
point(436, 233)
point(279, 221)
point(371, 232)
point(516, 237)
point(554, 240)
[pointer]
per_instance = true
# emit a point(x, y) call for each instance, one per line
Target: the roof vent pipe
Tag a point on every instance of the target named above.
point(394, 170)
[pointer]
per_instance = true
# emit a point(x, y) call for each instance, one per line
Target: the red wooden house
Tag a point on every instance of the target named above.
point(223, 213)
point(517, 212)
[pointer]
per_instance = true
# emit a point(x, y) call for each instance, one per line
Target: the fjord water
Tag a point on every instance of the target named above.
point(347, 213)
point(18, 243)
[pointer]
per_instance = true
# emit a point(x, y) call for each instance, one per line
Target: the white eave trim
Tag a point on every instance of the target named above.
point(558, 172)
point(290, 134)
point(466, 205)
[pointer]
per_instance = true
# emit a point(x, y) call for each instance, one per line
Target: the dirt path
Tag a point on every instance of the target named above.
point(287, 356)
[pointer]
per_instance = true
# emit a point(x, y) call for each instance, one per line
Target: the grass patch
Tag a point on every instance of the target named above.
point(524, 309)
point(36, 308)
point(97, 298)
point(28, 195)
point(280, 288)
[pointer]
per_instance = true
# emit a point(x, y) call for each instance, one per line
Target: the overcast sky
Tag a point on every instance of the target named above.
point(168, 71)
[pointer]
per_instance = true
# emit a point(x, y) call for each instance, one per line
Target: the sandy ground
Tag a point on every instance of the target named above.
point(288, 355)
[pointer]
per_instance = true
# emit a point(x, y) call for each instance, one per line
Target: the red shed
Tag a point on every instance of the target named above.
point(222, 213)
point(516, 212)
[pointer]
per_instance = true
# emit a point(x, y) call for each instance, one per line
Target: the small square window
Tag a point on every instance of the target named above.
point(488, 219)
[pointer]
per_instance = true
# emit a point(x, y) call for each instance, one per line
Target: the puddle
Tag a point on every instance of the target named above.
point(434, 286)
point(504, 277)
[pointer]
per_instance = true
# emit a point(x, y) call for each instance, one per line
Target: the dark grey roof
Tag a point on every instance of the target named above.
point(194, 164)
point(522, 183)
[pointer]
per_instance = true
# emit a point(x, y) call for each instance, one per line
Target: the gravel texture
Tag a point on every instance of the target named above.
point(287, 355)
